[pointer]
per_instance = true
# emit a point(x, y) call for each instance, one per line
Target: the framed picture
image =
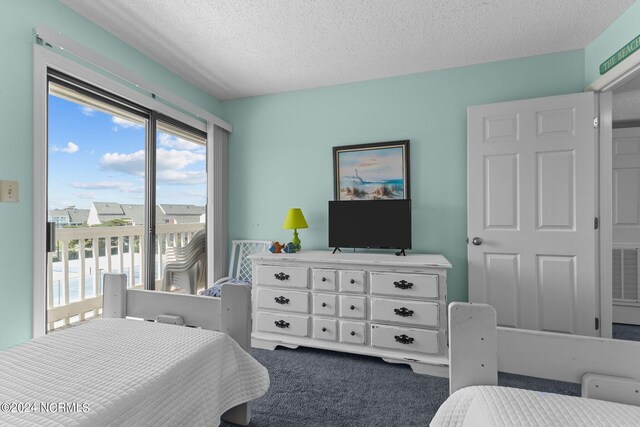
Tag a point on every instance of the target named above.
point(371, 171)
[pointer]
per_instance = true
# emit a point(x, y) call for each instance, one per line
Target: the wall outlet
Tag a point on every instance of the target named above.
point(9, 191)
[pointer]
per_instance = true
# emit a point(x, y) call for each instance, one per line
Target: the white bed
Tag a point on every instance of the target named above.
point(121, 371)
point(607, 369)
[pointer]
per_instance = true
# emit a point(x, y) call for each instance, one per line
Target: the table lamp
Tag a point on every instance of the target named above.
point(293, 221)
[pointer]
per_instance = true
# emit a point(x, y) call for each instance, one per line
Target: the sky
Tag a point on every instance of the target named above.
point(95, 156)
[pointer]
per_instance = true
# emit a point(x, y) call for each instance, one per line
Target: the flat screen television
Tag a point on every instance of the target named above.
point(384, 224)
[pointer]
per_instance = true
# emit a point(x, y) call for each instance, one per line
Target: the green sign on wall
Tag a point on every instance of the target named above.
point(617, 57)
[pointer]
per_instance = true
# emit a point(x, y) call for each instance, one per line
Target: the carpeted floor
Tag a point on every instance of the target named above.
point(316, 388)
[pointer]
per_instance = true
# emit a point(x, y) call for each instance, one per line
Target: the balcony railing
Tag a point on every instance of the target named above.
point(84, 254)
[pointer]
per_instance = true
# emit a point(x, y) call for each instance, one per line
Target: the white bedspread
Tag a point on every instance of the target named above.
point(510, 407)
point(128, 372)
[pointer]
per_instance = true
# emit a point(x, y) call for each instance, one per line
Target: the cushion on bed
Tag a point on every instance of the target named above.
point(129, 373)
point(511, 407)
point(216, 290)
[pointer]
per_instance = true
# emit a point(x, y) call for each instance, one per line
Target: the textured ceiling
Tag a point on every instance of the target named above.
point(626, 101)
point(239, 48)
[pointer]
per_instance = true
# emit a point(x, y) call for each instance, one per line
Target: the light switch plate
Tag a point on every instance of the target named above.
point(9, 191)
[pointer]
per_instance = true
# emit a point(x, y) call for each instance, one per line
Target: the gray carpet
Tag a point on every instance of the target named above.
point(316, 388)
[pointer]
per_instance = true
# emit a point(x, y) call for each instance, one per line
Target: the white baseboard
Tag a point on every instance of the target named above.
point(626, 313)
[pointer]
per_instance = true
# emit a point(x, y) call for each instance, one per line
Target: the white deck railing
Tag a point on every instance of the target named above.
point(74, 285)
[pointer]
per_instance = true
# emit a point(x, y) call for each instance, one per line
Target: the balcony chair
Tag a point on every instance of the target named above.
point(185, 266)
point(239, 265)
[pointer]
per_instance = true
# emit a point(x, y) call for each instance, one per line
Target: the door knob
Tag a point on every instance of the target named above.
point(476, 241)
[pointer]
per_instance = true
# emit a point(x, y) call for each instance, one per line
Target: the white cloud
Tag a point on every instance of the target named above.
point(181, 177)
point(124, 186)
point(87, 111)
point(70, 148)
point(124, 123)
point(170, 141)
point(166, 160)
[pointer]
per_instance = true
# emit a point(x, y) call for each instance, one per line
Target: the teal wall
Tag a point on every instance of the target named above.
point(280, 150)
point(621, 32)
point(17, 21)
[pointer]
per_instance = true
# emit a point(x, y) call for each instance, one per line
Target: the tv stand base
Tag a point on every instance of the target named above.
point(401, 252)
point(336, 249)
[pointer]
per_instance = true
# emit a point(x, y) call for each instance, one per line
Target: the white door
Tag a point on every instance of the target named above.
point(532, 204)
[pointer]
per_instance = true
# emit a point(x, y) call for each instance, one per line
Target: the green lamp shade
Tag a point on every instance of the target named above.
point(294, 219)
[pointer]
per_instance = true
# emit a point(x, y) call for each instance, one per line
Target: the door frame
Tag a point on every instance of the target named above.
point(604, 86)
point(43, 59)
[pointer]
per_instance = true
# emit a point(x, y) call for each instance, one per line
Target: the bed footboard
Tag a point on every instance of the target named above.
point(473, 349)
point(230, 314)
point(607, 369)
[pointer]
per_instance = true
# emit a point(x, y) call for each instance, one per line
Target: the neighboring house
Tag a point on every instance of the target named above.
point(102, 212)
point(181, 214)
point(68, 217)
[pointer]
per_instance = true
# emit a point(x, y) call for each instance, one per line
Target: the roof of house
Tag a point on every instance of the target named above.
point(182, 209)
point(58, 212)
point(78, 216)
point(108, 208)
point(75, 215)
point(182, 214)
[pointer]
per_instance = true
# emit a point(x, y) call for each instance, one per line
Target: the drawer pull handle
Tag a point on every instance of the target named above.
point(324, 304)
point(282, 300)
point(352, 281)
point(403, 311)
point(353, 307)
point(324, 329)
point(403, 284)
point(353, 333)
point(324, 279)
point(281, 324)
point(404, 339)
point(281, 276)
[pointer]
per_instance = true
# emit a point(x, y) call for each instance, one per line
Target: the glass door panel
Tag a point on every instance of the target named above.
point(181, 198)
point(95, 196)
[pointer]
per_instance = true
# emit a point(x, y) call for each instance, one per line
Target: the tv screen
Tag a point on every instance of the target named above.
point(370, 224)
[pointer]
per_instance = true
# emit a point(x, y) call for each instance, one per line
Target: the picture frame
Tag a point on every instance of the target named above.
point(372, 171)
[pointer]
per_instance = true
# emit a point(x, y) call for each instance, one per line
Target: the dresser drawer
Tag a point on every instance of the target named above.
point(419, 313)
point(325, 304)
point(405, 285)
point(283, 324)
point(325, 329)
point(352, 306)
point(324, 280)
point(281, 300)
point(353, 332)
point(406, 339)
point(288, 277)
point(351, 281)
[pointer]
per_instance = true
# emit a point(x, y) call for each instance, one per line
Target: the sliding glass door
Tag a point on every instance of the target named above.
point(121, 179)
point(181, 199)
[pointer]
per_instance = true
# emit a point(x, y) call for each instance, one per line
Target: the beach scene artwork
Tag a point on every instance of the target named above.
point(371, 173)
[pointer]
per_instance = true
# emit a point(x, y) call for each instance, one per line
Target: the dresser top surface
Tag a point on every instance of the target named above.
point(410, 260)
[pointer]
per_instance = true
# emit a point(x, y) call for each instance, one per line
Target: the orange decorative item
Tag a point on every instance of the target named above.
point(276, 248)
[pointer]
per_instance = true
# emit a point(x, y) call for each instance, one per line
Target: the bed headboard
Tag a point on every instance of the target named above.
point(607, 369)
point(230, 314)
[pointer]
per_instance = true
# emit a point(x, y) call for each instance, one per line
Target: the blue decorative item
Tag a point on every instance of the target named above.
point(289, 248)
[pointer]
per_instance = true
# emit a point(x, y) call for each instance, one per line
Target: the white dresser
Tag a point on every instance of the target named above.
point(381, 305)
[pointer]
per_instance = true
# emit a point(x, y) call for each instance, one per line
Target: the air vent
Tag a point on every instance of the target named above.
point(625, 274)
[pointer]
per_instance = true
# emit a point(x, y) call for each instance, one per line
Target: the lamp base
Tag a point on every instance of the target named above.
point(296, 240)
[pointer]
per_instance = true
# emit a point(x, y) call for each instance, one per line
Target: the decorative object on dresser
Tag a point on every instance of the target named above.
point(371, 171)
point(371, 304)
point(294, 220)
